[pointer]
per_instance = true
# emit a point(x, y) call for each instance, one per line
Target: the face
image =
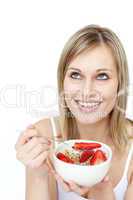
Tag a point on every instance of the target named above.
point(90, 85)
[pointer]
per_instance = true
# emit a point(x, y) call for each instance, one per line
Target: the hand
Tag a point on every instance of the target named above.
point(33, 150)
point(100, 191)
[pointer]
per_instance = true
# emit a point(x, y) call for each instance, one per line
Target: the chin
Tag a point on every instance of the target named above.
point(88, 120)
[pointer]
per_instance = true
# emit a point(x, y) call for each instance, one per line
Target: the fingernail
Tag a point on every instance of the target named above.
point(45, 141)
point(30, 126)
point(70, 182)
point(52, 171)
point(56, 176)
point(49, 142)
point(106, 178)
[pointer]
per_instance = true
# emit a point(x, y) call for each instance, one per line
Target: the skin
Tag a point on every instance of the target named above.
point(33, 148)
point(92, 75)
point(90, 84)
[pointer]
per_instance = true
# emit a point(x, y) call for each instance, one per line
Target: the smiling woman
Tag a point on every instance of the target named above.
point(93, 68)
point(92, 86)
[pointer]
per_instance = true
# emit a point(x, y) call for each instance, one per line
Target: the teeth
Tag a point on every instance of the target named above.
point(87, 104)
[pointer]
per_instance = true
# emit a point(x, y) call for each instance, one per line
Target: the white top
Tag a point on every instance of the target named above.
point(119, 190)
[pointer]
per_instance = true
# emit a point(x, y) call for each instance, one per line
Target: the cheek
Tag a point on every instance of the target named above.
point(70, 88)
point(109, 96)
point(70, 91)
point(109, 91)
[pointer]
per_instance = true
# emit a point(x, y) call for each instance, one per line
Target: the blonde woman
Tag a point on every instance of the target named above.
point(92, 85)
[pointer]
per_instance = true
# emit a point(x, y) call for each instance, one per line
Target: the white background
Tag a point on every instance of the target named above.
point(32, 35)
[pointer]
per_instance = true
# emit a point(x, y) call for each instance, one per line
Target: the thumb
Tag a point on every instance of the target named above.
point(50, 164)
point(105, 179)
point(30, 126)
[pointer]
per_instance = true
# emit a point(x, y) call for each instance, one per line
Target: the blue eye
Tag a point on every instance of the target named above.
point(75, 75)
point(103, 76)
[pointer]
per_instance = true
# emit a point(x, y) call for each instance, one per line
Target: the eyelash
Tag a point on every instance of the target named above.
point(98, 75)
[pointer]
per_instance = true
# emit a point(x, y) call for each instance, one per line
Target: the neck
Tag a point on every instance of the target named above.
point(98, 131)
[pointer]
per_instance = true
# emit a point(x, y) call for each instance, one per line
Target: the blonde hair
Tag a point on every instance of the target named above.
point(91, 36)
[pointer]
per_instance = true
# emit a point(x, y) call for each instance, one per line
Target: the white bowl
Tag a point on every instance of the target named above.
point(83, 175)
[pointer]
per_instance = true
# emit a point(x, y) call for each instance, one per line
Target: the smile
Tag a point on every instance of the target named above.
point(87, 106)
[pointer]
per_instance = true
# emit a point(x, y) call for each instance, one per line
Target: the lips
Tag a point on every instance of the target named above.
point(87, 106)
point(88, 103)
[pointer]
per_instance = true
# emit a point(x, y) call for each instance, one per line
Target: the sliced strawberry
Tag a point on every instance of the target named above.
point(98, 157)
point(64, 158)
point(86, 146)
point(85, 155)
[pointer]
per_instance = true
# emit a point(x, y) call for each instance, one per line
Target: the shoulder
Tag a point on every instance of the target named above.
point(130, 134)
point(44, 126)
point(130, 128)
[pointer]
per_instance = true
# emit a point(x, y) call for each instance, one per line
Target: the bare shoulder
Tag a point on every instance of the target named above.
point(130, 128)
point(44, 126)
point(130, 133)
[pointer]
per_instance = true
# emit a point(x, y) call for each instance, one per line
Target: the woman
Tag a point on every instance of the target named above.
point(92, 85)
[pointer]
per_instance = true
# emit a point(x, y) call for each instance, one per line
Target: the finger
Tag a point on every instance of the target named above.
point(50, 165)
point(28, 150)
point(25, 136)
point(36, 151)
point(104, 183)
point(32, 143)
point(63, 184)
point(30, 126)
point(78, 189)
point(105, 179)
point(37, 162)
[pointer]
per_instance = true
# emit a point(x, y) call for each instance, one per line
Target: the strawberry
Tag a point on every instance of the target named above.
point(98, 157)
point(85, 155)
point(64, 158)
point(85, 146)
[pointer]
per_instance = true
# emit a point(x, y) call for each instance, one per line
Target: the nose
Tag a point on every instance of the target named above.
point(89, 91)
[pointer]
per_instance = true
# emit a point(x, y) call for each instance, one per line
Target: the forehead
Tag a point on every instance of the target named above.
point(95, 58)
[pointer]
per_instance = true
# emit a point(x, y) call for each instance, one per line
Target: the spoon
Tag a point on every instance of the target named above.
point(58, 141)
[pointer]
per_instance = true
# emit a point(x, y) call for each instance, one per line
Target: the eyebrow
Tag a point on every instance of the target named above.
point(98, 70)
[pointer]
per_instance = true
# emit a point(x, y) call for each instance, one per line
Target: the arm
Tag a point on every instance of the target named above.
point(36, 187)
point(100, 191)
point(33, 150)
point(41, 187)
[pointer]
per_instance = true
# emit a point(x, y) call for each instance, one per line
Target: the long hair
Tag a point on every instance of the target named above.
point(91, 36)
